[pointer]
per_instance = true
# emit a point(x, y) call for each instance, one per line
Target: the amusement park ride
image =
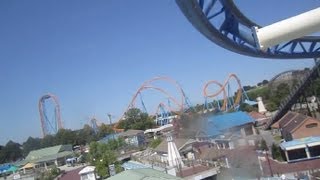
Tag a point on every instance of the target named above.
point(283, 40)
point(228, 101)
point(225, 25)
point(49, 125)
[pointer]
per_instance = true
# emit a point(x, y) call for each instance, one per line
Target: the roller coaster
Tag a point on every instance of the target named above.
point(229, 102)
point(222, 22)
point(163, 112)
point(49, 125)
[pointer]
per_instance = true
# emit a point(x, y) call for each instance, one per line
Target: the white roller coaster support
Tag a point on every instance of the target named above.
point(286, 30)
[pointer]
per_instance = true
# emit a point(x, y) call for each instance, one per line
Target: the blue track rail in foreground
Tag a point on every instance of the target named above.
point(225, 25)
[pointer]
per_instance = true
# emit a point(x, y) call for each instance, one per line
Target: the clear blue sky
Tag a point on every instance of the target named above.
point(95, 54)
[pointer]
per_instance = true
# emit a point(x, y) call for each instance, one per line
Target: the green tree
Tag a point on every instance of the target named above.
point(101, 156)
point(265, 82)
point(280, 93)
point(276, 152)
point(85, 135)
point(47, 141)
point(115, 144)
point(263, 145)
point(104, 130)
point(247, 88)
point(155, 142)
point(31, 144)
point(271, 106)
point(10, 152)
point(65, 136)
point(135, 119)
point(247, 107)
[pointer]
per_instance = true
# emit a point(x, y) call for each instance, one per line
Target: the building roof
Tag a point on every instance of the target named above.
point(130, 132)
point(53, 156)
point(284, 168)
point(49, 153)
point(145, 174)
point(87, 169)
point(300, 143)
point(212, 153)
point(286, 118)
point(219, 123)
point(4, 167)
point(257, 116)
point(134, 165)
point(73, 174)
point(28, 166)
point(292, 120)
point(180, 142)
point(295, 122)
point(109, 137)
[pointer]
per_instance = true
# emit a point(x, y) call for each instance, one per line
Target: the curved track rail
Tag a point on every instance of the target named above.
point(133, 101)
point(234, 33)
point(223, 90)
point(46, 125)
point(148, 85)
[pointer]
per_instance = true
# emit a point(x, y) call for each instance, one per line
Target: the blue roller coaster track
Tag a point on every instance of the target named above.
point(234, 31)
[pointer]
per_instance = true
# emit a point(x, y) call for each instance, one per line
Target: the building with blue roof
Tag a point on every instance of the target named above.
point(301, 149)
point(4, 168)
point(134, 165)
point(109, 137)
point(225, 128)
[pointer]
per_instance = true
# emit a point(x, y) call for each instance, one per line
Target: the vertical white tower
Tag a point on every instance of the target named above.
point(174, 157)
point(261, 107)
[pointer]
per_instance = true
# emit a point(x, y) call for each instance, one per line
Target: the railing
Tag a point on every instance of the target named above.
point(295, 93)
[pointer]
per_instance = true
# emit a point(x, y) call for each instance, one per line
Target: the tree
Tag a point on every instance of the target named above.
point(280, 93)
point(247, 88)
point(101, 156)
point(86, 135)
point(11, 152)
point(155, 142)
point(246, 107)
point(263, 145)
point(271, 106)
point(31, 144)
point(276, 152)
point(104, 130)
point(135, 119)
point(265, 82)
point(47, 141)
point(65, 136)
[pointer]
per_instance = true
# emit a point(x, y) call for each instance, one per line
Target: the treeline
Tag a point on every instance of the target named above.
point(13, 151)
point(273, 95)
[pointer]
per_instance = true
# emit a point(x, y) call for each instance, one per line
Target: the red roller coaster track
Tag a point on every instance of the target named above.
point(148, 85)
point(223, 90)
point(42, 113)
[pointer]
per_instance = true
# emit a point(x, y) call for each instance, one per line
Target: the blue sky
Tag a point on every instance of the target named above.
point(94, 55)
